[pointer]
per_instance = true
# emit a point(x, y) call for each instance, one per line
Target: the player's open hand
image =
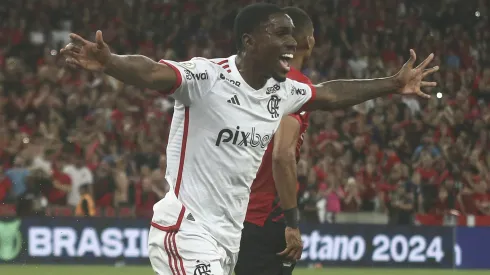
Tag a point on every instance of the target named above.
point(85, 54)
point(294, 245)
point(411, 79)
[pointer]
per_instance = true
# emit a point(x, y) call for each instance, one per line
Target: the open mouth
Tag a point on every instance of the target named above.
point(284, 61)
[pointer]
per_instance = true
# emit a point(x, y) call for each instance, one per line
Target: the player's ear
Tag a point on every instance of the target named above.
point(248, 41)
point(311, 42)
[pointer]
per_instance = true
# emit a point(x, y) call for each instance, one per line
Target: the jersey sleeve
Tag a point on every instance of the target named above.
point(299, 95)
point(194, 79)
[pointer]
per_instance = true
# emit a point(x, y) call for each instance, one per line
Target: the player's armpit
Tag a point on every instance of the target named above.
point(339, 94)
point(284, 161)
point(141, 71)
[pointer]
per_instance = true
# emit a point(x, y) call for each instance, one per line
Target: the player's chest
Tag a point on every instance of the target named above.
point(234, 117)
point(230, 104)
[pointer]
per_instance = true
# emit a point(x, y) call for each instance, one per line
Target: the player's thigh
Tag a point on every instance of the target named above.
point(158, 252)
point(179, 253)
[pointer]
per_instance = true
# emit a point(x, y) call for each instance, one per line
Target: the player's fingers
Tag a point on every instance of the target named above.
point(285, 252)
point(78, 39)
point(298, 253)
point(430, 71)
point(428, 84)
point(426, 62)
point(99, 40)
point(72, 47)
point(292, 254)
point(66, 52)
point(72, 61)
point(412, 59)
point(69, 53)
point(422, 94)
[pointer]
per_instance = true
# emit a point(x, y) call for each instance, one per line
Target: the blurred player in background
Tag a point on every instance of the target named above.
point(226, 112)
point(264, 236)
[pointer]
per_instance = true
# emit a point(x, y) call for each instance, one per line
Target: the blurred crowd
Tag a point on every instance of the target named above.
point(65, 134)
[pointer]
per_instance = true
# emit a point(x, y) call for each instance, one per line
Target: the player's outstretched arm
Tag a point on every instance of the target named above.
point(338, 94)
point(135, 70)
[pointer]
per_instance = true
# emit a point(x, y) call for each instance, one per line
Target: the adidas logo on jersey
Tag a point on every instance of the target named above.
point(234, 100)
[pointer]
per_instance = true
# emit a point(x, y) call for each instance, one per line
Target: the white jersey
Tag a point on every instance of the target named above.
point(220, 130)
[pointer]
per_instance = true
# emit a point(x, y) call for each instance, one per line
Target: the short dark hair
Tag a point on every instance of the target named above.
point(250, 18)
point(302, 22)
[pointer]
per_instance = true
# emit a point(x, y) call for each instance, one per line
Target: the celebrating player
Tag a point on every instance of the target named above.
point(264, 232)
point(226, 112)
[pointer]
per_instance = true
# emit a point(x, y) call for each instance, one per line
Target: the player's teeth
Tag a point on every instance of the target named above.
point(288, 55)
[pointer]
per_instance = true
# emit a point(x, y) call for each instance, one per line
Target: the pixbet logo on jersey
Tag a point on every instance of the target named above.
point(241, 138)
point(197, 76)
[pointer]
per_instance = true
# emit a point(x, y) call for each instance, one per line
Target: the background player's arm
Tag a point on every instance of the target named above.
point(284, 161)
point(141, 71)
point(284, 172)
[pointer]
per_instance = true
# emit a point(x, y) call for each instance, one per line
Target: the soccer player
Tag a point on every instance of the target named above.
point(226, 112)
point(264, 232)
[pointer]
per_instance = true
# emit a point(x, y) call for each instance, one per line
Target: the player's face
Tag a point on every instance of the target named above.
point(276, 46)
point(306, 43)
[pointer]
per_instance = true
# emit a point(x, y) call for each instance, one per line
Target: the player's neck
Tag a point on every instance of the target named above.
point(250, 72)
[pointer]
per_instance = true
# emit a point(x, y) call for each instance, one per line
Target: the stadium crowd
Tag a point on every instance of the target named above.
point(66, 133)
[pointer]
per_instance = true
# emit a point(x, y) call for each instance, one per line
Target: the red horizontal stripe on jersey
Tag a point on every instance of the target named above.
point(229, 71)
point(226, 66)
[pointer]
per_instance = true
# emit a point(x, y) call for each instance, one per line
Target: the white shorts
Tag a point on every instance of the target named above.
point(186, 248)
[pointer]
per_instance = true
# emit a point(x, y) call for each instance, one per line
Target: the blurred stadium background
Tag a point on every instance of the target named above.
point(394, 182)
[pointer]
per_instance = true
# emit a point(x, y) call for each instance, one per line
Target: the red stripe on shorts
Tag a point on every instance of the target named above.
point(167, 249)
point(174, 252)
point(177, 254)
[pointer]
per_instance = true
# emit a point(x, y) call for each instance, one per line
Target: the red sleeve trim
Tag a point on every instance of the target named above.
point(312, 98)
point(177, 74)
point(172, 228)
